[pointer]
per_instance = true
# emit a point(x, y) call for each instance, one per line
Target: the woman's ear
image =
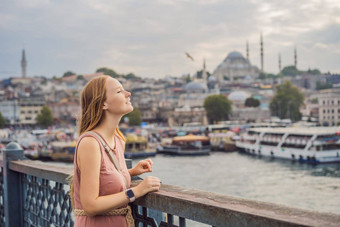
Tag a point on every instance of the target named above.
point(105, 107)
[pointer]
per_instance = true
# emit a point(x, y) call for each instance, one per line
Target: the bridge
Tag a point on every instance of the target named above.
point(33, 193)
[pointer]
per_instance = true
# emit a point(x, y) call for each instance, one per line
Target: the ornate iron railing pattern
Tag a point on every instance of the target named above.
point(46, 203)
point(144, 218)
point(43, 193)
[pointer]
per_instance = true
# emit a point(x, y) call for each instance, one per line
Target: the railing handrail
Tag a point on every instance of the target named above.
point(57, 173)
point(202, 206)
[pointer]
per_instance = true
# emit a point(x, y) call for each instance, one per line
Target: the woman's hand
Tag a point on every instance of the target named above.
point(149, 184)
point(142, 166)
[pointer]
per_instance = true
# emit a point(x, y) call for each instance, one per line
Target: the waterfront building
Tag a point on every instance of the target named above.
point(329, 107)
point(10, 110)
point(65, 110)
point(310, 109)
point(30, 107)
point(235, 67)
point(307, 81)
point(242, 113)
point(187, 114)
point(250, 114)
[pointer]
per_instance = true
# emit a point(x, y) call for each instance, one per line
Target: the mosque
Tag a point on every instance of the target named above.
point(236, 67)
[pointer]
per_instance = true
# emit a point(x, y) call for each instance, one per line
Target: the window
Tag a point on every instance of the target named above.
point(23, 111)
point(332, 110)
point(324, 103)
point(324, 111)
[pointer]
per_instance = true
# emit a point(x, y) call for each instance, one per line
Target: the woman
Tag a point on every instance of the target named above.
point(101, 189)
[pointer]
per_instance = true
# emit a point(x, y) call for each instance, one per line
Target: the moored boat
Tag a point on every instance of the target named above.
point(63, 151)
point(222, 141)
point(138, 147)
point(189, 145)
point(311, 145)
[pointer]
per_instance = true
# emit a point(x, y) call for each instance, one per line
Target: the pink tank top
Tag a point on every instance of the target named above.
point(110, 182)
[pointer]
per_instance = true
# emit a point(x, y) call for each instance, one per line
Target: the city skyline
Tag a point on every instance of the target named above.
point(150, 38)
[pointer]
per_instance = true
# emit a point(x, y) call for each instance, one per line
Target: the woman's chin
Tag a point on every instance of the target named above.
point(130, 109)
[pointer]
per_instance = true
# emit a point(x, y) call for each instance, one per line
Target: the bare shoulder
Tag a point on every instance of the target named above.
point(88, 150)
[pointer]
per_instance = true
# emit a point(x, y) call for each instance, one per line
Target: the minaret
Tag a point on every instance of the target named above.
point(204, 73)
point(23, 64)
point(247, 50)
point(261, 48)
point(295, 58)
point(280, 63)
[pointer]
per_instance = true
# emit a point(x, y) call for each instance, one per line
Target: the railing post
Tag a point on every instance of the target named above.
point(13, 194)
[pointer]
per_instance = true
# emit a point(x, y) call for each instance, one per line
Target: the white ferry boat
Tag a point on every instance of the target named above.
point(313, 145)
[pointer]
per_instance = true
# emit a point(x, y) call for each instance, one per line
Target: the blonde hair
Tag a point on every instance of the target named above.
point(92, 101)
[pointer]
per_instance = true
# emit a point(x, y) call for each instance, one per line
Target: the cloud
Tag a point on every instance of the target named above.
point(149, 38)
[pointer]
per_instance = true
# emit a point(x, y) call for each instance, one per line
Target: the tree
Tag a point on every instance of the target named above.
point(108, 71)
point(45, 117)
point(80, 77)
point(218, 108)
point(2, 121)
point(315, 101)
point(188, 79)
point(69, 73)
point(290, 71)
point(130, 76)
point(287, 101)
point(251, 102)
point(134, 117)
point(321, 86)
point(262, 76)
point(314, 72)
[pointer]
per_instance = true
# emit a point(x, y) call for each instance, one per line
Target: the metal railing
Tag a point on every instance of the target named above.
point(34, 193)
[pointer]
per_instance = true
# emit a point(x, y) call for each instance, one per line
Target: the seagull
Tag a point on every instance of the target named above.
point(189, 56)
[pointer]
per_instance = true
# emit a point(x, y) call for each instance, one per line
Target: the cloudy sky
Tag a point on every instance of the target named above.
point(149, 38)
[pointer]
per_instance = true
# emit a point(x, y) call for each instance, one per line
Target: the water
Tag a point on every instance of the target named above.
point(234, 174)
point(276, 181)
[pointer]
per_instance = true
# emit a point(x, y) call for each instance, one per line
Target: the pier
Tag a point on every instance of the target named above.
point(33, 193)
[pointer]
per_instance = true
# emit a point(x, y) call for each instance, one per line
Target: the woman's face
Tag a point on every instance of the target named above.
point(117, 99)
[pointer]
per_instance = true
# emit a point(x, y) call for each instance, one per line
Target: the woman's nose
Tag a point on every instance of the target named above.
point(128, 94)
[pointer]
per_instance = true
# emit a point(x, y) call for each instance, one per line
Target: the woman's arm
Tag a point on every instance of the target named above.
point(89, 161)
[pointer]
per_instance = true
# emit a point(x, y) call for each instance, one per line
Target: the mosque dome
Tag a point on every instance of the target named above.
point(195, 86)
point(235, 54)
point(235, 67)
point(238, 96)
point(211, 79)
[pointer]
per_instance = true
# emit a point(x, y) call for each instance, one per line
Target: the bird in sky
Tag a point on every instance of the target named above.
point(189, 56)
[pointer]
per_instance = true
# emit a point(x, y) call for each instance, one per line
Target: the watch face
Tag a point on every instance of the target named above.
point(130, 193)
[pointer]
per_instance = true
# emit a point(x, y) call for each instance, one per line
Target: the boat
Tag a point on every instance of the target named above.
point(309, 144)
point(138, 147)
point(222, 140)
point(189, 145)
point(63, 151)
